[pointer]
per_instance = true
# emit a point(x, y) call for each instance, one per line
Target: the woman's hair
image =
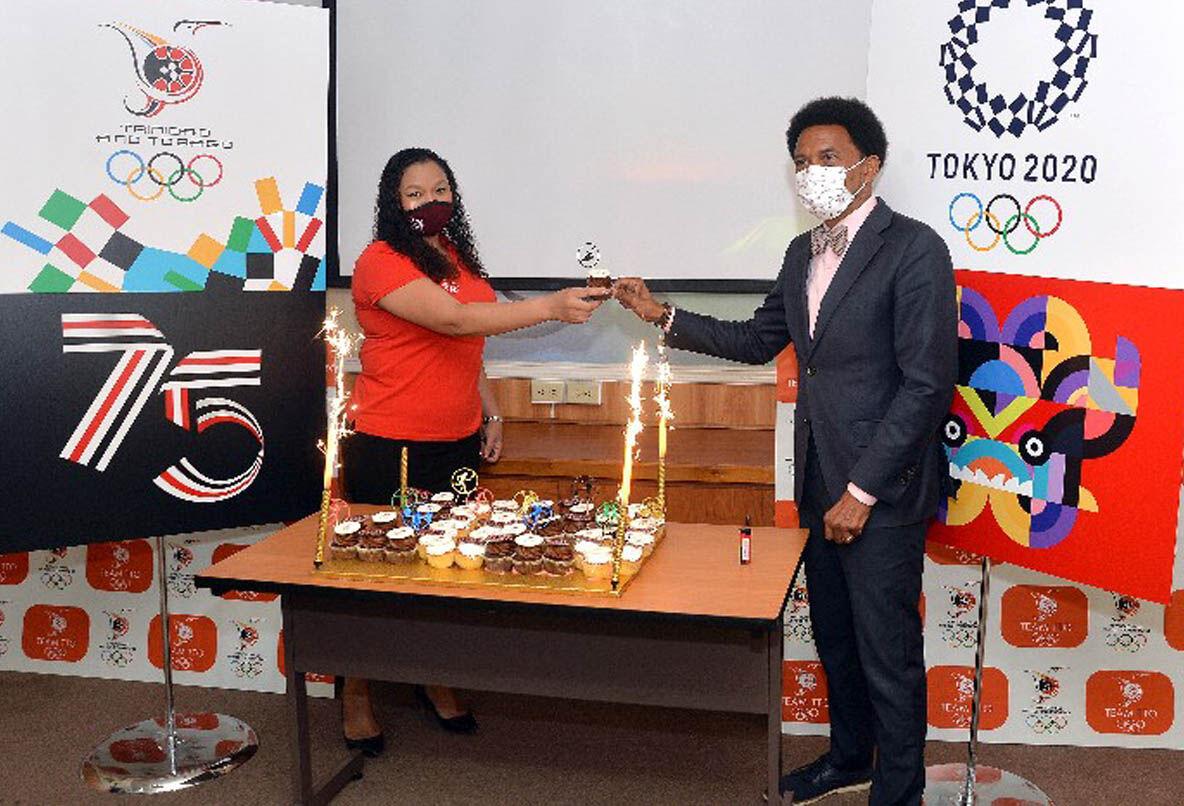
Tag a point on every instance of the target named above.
point(391, 224)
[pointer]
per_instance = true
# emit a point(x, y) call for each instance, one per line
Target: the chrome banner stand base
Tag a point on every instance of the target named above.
point(970, 784)
point(179, 751)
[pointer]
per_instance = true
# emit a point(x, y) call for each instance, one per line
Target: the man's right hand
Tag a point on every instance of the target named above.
point(633, 294)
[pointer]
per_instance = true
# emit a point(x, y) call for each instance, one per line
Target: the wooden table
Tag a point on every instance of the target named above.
point(695, 629)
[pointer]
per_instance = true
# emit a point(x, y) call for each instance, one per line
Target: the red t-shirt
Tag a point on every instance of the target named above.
point(415, 384)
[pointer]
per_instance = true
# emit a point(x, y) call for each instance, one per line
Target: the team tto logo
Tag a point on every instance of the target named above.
point(1039, 106)
point(167, 73)
point(983, 214)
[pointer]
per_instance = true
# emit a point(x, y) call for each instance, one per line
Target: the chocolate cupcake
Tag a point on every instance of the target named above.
point(345, 540)
point(528, 554)
point(387, 519)
point(498, 565)
point(372, 545)
point(499, 554)
point(558, 556)
point(601, 280)
point(550, 528)
point(483, 534)
point(579, 510)
point(400, 545)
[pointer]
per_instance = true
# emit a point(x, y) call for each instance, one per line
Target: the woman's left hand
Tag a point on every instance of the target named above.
point(491, 441)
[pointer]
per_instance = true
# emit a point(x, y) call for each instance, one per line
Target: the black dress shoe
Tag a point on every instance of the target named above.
point(820, 778)
point(371, 746)
point(461, 723)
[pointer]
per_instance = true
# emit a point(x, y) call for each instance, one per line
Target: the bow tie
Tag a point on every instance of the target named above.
point(821, 239)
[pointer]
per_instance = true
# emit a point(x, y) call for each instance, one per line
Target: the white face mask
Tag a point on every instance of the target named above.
point(822, 189)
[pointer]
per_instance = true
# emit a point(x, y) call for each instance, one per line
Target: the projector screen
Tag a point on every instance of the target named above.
point(653, 129)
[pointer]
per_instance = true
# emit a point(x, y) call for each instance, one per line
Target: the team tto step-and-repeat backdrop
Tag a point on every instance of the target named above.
point(94, 611)
point(161, 271)
point(1010, 123)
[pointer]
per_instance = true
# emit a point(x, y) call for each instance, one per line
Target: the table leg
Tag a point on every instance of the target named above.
point(301, 763)
point(303, 791)
point(775, 648)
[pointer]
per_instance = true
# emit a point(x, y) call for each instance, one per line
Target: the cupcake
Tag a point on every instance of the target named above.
point(428, 540)
point(631, 560)
point(594, 534)
point(483, 534)
point(470, 556)
point(445, 499)
point(400, 545)
point(558, 557)
point(499, 554)
point(514, 529)
point(430, 508)
point(345, 540)
point(446, 526)
point(502, 516)
point(505, 505)
point(550, 527)
point(579, 510)
point(650, 525)
point(528, 554)
point(387, 518)
point(468, 511)
point(372, 545)
point(600, 279)
point(441, 554)
point(598, 563)
point(643, 540)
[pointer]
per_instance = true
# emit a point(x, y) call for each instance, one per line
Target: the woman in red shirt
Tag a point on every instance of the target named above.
point(425, 308)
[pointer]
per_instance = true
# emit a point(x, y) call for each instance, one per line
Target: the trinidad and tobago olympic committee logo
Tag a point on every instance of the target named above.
point(1039, 106)
point(167, 73)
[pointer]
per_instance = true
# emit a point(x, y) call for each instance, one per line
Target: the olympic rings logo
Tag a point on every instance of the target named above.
point(1003, 232)
point(157, 176)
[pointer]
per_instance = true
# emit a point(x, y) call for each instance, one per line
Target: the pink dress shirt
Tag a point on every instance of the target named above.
point(823, 268)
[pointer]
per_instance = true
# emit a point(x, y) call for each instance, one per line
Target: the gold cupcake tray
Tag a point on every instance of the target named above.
point(418, 570)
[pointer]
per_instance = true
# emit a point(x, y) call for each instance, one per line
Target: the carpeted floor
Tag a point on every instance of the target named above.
point(528, 751)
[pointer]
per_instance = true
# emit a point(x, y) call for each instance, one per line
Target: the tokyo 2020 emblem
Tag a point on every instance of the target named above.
point(1056, 86)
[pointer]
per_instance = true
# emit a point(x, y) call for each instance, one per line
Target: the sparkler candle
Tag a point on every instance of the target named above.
point(632, 430)
point(665, 415)
point(340, 345)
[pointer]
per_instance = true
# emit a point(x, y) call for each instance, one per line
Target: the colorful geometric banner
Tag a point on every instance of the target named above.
point(147, 388)
point(1066, 433)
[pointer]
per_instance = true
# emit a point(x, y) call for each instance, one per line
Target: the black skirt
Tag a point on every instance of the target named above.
point(370, 465)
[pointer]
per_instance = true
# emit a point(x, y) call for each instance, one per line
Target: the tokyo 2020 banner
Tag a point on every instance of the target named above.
point(1011, 125)
point(161, 267)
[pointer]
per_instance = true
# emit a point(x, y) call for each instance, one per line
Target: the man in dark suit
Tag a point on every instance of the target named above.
point(867, 298)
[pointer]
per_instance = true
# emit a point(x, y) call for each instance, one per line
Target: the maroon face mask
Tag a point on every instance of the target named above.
point(429, 219)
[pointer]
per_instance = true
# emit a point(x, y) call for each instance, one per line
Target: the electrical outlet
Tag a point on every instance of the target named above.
point(546, 391)
point(585, 393)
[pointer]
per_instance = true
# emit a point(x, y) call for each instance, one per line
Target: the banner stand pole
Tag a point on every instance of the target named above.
point(177, 752)
point(970, 784)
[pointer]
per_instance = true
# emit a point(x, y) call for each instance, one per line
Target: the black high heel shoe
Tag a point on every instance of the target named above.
point(371, 746)
point(462, 723)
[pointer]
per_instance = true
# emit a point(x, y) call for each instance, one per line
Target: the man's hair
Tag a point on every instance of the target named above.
point(852, 114)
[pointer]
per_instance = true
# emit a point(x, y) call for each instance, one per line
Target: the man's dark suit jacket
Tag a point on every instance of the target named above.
point(877, 378)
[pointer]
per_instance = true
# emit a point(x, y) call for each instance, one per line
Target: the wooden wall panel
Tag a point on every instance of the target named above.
point(711, 405)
